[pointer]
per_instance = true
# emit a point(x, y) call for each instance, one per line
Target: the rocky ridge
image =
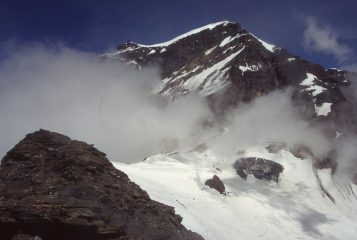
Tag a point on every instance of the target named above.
point(52, 187)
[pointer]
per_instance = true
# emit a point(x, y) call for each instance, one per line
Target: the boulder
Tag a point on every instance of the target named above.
point(216, 183)
point(259, 168)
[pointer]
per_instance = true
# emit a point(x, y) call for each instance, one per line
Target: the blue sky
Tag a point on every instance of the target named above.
point(100, 25)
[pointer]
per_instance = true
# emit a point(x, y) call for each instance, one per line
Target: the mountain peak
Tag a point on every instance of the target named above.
point(207, 27)
point(230, 65)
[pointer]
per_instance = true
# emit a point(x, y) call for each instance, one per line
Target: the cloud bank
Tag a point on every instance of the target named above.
point(104, 103)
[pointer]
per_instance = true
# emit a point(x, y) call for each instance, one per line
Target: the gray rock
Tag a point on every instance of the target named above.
point(216, 183)
point(259, 168)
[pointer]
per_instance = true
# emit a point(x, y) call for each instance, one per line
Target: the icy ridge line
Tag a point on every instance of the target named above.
point(187, 34)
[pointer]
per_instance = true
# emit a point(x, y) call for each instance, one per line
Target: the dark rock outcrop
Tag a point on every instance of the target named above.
point(328, 162)
point(25, 237)
point(216, 183)
point(301, 151)
point(55, 188)
point(275, 147)
point(259, 168)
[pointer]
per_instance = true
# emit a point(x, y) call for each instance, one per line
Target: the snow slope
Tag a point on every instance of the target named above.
point(309, 84)
point(295, 208)
point(209, 80)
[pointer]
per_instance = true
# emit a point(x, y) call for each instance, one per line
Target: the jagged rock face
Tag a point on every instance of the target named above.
point(216, 183)
point(52, 187)
point(229, 65)
point(259, 168)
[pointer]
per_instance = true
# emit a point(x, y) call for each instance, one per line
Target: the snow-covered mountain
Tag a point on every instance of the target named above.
point(228, 66)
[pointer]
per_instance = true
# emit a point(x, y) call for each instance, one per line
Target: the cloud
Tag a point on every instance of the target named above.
point(104, 103)
point(269, 119)
point(323, 39)
point(274, 118)
point(346, 146)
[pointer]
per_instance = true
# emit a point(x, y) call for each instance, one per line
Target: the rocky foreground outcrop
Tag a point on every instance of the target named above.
point(52, 187)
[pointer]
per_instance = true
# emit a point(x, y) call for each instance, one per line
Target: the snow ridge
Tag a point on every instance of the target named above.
point(192, 32)
point(268, 46)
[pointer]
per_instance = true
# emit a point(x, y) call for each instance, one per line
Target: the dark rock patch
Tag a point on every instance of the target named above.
point(275, 147)
point(25, 237)
point(259, 168)
point(301, 151)
point(327, 162)
point(216, 183)
point(55, 188)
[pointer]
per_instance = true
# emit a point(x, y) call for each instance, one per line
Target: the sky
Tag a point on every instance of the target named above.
point(98, 26)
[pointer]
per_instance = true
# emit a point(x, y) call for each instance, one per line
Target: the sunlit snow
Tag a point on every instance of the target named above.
point(324, 109)
point(192, 32)
point(252, 68)
point(294, 208)
point(268, 46)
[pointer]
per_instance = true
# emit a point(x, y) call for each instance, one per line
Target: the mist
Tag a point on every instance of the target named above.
point(272, 118)
point(323, 39)
point(103, 103)
point(346, 146)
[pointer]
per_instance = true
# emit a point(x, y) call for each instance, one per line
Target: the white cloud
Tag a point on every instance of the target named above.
point(103, 103)
point(323, 39)
point(267, 119)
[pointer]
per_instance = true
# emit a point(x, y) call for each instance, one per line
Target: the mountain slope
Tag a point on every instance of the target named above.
point(294, 208)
